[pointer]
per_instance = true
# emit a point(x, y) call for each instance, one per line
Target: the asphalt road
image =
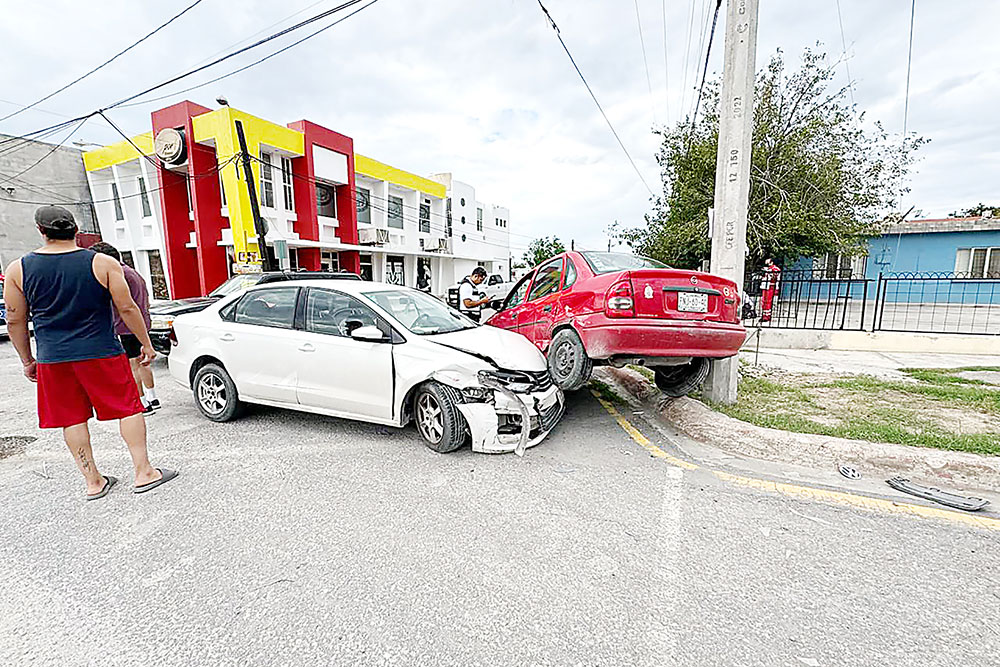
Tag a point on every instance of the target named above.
point(292, 539)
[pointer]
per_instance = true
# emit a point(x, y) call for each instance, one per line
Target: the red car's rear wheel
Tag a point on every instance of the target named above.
point(681, 380)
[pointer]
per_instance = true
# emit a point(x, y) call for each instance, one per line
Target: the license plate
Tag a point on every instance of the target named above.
point(692, 302)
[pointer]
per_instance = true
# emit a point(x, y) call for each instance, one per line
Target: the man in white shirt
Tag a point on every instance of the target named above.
point(470, 299)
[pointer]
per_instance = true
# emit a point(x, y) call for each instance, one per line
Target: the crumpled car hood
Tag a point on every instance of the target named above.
point(503, 348)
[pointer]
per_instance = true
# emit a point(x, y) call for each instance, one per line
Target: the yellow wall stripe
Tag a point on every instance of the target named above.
point(383, 172)
point(123, 151)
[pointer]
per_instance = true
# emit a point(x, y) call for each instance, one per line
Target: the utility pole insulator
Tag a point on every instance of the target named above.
point(732, 172)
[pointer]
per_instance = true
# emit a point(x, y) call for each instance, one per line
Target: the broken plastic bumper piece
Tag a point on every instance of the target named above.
point(967, 503)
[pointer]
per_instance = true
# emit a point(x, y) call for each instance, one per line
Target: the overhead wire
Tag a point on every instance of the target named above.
point(704, 74)
point(685, 63)
point(847, 65)
point(666, 60)
point(106, 62)
point(52, 150)
point(645, 62)
point(909, 62)
point(594, 97)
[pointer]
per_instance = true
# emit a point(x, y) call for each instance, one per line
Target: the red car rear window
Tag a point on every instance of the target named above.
point(607, 262)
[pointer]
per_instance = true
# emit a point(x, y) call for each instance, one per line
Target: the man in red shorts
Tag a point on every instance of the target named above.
point(81, 366)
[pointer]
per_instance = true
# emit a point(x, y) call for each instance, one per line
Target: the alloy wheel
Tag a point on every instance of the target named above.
point(565, 358)
point(212, 394)
point(430, 420)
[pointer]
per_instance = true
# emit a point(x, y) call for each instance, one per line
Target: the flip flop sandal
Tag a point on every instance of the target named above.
point(109, 481)
point(165, 476)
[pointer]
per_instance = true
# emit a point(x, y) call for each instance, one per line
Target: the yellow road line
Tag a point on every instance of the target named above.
point(805, 492)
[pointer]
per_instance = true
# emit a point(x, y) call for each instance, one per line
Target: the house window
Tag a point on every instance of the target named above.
point(144, 198)
point(479, 219)
point(364, 206)
point(835, 266)
point(977, 263)
point(266, 181)
point(119, 213)
point(395, 212)
point(425, 217)
point(447, 224)
point(326, 200)
point(287, 191)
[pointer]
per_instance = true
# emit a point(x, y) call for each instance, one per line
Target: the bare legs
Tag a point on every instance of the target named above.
point(143, 379)
point(133, 430)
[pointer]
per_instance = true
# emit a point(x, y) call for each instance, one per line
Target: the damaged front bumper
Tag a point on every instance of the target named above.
point(505, 416)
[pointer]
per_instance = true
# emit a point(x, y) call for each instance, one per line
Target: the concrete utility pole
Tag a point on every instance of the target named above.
point(732, 171)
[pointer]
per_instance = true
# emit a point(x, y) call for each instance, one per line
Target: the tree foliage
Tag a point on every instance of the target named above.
point(821, 179)
point(976, 211)
point(542, 249)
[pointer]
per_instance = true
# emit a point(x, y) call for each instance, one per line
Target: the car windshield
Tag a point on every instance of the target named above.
point(236, 284)
point(606, 262)
point(421, 313)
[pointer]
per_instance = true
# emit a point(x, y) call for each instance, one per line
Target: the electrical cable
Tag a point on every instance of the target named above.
point(685, 63)
point(106, 62)
point(594, 97)
point(642, 45)
point(253, 64)
point(847, 65)
point(666, 60)
point(704, 74)
point(909, 61)
point(52, 150)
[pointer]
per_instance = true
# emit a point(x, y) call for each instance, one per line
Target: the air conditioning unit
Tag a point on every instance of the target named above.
point(437, 245)
point(378, 237)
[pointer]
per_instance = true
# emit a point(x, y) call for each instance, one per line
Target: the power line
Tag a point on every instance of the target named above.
point(52, 150)
point(666, 60)
point(685, 64)
point(704, 74)
point(642, 45)
point(847, 65)
point(594, 97)
point(909, 62)
point(106, 62)
point(253, 64)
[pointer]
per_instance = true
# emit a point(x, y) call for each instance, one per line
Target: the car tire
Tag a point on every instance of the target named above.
point(438, 420)
point(569, 365)
point(677, 381)
point(215, 393)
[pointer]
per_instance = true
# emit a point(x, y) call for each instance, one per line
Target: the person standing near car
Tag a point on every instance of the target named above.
point(470, 299)
point(80, 367)
point(133, 347)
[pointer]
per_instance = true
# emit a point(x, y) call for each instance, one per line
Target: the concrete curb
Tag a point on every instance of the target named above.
point(709, 427)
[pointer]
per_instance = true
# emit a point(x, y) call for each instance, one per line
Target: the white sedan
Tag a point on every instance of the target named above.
point(371, 352)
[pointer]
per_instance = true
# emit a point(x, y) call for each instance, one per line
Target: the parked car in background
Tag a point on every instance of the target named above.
point(494, 287)
point(372, 352)
point(587, 308)
point(162, 314)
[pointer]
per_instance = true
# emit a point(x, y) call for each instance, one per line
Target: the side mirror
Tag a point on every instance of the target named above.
point(370, 334)
point(496, 304)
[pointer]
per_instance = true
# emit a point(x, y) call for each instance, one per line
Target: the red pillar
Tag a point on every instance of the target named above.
point(208, 221)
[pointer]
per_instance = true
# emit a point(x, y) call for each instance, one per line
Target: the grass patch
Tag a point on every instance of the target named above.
point(607, 393)
point(929, 411)
point(948, 376)
point(645, 372)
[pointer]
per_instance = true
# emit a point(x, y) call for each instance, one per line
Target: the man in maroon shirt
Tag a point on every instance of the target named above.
point(133, 348)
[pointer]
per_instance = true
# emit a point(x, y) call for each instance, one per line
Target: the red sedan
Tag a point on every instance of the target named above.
point(586, 308)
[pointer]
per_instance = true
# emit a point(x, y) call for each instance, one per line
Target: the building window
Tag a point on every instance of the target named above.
point(479, 219)
point(329, 261)
point(287, 191)
point(144, 198)
point(365, 265)
point(394, 269)
point(266, 181)
point(326, 200)
point(187, 186)
point(835, 266)
point(977, 262)
point(447, 224)
point(128, 259)
point(222, 189)
point(463, 238)
point(425, 218)
point(364, 206)
point(395, 212)
point(119, 213)
point(462, 201)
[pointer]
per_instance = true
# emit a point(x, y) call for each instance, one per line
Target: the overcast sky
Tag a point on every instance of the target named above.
point(482, 88)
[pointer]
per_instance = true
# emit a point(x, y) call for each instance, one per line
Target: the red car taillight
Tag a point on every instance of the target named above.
point(172, 336)
point(618, 301)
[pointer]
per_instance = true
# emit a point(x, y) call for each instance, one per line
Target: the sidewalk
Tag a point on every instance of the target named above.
point(879, 364)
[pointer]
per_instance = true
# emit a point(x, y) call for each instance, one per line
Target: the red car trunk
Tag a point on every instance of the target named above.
point(683, 295)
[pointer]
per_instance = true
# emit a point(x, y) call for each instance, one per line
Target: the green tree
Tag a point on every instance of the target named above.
point(976, 211)
point(821, 180)
point(541, 249)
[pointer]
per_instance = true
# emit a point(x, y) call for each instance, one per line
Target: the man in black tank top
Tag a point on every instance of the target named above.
point(80, 367)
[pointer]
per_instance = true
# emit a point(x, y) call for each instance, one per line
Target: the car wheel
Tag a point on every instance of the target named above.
point(681, 380)
point(215, 393)
point(569, 365)
point(438, 420)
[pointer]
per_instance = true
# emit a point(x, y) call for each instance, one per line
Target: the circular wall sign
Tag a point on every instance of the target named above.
point(169, 146)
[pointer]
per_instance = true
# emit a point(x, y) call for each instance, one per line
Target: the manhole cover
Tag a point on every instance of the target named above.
point(14, 444)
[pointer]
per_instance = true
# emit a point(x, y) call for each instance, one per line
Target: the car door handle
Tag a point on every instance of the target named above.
point(227, 337)
point(548, 308)
point(307, 347)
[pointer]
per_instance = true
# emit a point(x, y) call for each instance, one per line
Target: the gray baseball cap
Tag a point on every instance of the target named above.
point(54, 217)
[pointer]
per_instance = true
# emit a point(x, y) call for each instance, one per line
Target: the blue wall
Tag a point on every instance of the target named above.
point(934, 252)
